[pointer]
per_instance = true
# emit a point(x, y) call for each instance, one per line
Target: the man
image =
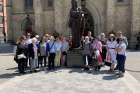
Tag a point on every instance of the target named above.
point(52, 53)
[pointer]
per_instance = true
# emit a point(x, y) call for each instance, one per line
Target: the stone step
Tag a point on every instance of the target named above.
point(7, 48)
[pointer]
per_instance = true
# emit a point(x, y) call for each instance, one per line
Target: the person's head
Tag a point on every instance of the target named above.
point(111, 37)
point(43, 39)
point(119, 34)
point(21, 40)
point(89, 33)
point(51, 38)
point(37, 37)
point(86, 39)
point(28, 35)
point(47, 35)
point(34, 40)
point(102, 35)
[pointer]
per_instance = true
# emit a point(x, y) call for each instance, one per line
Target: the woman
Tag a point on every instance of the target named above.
point(87, 53)
point(111, 53)
point(121, 56)
point(104, 50)
point(21, 54)
point(58, 45)
point(52, 53)
point(64, 49)
point(33, 54)
point(43, 52)
point(97, 50)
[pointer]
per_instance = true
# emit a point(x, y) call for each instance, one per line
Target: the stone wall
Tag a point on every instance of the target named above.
point(135, 21)
point(122, 18)
point(107, 15)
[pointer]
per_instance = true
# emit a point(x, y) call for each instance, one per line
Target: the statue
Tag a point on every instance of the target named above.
point(74, 24)
point(80, 22)
point(28, 25)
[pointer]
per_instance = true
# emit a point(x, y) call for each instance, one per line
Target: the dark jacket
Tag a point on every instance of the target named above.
point(31, 51)
point(21, 49)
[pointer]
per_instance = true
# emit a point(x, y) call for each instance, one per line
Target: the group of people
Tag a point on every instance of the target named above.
point(34, 52)
point(105, 50)
point(51, 52)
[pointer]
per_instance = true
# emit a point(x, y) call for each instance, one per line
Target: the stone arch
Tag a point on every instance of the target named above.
point(94, 10)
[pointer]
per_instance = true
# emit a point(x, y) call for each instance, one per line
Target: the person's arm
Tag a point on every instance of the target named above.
point(119, 49)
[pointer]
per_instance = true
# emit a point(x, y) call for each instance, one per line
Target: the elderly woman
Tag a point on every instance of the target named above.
point(97, 50)
point(111, 53)
point(104, 50)
point(87, 53)
point(33, 54)
point(21, 54)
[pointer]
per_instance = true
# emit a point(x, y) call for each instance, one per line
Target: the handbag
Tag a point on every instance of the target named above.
point(21, 56)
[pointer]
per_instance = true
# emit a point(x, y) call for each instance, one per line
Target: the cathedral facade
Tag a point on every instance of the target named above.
point(48, 16)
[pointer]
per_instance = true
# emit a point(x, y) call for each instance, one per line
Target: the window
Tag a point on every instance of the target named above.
point(1, 19)
point(47, 4)
point(28, 4)
point(50, 3)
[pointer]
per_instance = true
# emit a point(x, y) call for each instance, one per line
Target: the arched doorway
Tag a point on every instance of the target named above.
point(27, 25)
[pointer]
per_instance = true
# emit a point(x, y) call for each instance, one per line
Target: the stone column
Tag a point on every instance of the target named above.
point(135, 22)
point(59, 15)
point(110, 15)
point(38, 13)
point(10, 35)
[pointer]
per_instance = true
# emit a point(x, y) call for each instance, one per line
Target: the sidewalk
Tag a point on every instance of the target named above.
point(71, 81)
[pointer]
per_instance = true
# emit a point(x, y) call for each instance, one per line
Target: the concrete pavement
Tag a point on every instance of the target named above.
point(70, 81)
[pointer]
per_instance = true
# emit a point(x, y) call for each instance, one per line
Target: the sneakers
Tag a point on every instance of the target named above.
point(120, 74)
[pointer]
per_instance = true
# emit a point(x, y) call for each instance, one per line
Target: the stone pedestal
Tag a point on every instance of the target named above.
point(75, 58)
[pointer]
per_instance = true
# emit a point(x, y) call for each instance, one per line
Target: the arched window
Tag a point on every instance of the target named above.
point(50, 3)
point(28, 4)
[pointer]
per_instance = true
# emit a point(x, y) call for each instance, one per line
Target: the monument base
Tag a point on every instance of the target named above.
point(75, 58)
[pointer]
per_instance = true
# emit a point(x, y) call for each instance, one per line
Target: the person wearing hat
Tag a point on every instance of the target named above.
point(111, 53)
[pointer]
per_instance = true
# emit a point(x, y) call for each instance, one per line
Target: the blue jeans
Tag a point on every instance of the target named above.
point(121, 62)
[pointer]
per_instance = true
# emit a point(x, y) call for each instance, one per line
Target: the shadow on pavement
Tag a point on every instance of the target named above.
point(12, 68)
point(9, 75)
point(132, 70)
point(110, 77)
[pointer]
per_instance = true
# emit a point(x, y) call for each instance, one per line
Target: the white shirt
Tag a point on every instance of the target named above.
point(111, 45)
point(52, 45)
point(123, 49)
point(58, 45)
point(65, 46)
point(28, 41)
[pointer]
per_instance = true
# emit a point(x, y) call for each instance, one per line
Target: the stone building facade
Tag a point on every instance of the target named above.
point(47, 16)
